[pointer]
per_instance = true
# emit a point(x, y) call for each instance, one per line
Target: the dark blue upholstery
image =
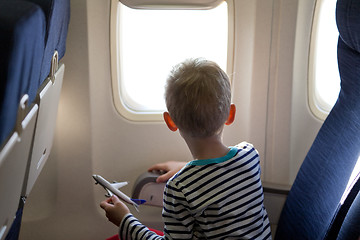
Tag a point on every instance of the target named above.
point(14, 231)
point(30, 32)
point(57, 15)
point(22, 31)
point(315, 196)
point(351, 226)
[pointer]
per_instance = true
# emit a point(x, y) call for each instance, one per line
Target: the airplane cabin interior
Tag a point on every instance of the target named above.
point(80, 102)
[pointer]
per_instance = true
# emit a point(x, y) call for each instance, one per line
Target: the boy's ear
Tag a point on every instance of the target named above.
point(169, 122)
point(231, 117)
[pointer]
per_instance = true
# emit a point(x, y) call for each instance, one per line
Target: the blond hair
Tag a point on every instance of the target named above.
point(198, 97)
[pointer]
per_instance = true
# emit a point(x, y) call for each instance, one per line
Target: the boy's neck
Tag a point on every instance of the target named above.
point(206, 148)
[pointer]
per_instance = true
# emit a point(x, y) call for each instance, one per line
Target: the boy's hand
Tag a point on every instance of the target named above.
point(170, 168)
point(115, 209)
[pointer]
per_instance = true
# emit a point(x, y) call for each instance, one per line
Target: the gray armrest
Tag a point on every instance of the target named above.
point(146, 188)
point(276, 188)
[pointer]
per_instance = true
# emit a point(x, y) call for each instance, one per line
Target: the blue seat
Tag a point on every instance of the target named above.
point(314, 199)
point(22, 31)
point(27, 42)
point(32, 41)
point(350, 228)
point(21, 47)
point(57, 16)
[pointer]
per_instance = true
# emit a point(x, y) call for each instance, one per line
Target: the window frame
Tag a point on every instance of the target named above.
point(171, 4)
point(120, 106)
point(318, 107)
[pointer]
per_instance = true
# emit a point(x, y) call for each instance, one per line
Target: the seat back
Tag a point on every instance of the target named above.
point(22, 31)
point(350, 228)
point(57, 15)
point(32, 41)
point(314, 198)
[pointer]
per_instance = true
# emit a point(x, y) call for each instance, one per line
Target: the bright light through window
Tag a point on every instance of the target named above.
point(353, 178)
point(153, 41)
point(324, 78)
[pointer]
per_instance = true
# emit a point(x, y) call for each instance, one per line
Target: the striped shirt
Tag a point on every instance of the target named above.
point(220, 198)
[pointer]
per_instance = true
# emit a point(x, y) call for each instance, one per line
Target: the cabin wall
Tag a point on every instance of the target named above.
point(269, 90)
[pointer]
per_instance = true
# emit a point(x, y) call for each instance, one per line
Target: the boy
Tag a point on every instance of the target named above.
point(218, 195)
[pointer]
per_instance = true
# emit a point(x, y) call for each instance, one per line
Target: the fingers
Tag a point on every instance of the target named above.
point(163, 178)
point(167, 170)
point(163, 169)
point(115, 210)
point(110, 202)
point(115, 200)
point(104, 204)
point(159, 167)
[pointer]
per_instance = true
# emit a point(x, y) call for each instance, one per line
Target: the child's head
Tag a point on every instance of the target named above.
point(198, 97)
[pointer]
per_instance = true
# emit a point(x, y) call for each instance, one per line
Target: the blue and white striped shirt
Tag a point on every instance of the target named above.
point(219, 198)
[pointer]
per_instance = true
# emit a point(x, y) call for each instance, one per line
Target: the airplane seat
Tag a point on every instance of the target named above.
point(57, 14)
point(350, 228)
point(32, 40)
point(57, 17)
point(21, 48)
point(314, 202)
point(22, 32)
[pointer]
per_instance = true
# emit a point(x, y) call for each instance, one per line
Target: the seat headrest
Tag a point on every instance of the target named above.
point(57, 14)
point(348, 22)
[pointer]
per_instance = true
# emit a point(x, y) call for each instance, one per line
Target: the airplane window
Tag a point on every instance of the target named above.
point(324, 75)
point(148, 46)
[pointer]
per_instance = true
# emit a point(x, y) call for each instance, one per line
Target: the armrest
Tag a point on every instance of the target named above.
point(146, 188)
point(276, 188)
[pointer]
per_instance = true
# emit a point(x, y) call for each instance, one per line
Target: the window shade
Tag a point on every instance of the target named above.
point(171, 4)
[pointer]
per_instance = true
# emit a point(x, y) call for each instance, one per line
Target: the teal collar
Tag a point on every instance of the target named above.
point(201, 162)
